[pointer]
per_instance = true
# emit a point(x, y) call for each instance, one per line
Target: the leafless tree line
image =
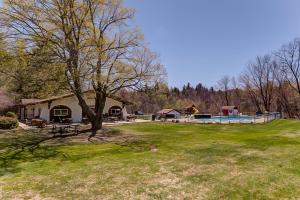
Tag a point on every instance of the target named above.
point(269, 83)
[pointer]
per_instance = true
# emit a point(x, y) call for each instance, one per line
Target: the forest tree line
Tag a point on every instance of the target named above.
point(30, 74)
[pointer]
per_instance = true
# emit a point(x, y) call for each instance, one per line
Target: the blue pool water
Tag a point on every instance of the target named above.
point(242, 118)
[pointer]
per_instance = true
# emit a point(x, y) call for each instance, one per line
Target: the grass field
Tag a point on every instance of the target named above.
point(157, 161)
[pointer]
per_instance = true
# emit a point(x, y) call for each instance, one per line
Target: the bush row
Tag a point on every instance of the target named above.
point(9, 121)
point(11, 114)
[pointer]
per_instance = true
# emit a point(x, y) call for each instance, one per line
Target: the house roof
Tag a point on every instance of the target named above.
point(39, 101)
point(189, 106)
point(166, 111)
point(29, 101)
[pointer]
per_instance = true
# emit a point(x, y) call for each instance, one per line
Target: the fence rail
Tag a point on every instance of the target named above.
point(247, 119)
point(238, 119)
point(144, 117)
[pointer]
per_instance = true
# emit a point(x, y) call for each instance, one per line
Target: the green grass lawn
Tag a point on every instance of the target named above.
point(185, 162)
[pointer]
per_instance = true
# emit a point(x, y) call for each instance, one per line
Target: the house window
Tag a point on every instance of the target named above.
point(61, 112)
point(115, 111)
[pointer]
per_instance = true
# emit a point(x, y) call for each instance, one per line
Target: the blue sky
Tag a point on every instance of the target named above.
point(202, 40)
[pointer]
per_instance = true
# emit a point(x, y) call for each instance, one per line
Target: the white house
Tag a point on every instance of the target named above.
point(168, 113)
point(67, 106)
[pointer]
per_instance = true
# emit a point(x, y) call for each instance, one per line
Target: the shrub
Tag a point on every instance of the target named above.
point(8, 123)
point(11, 114)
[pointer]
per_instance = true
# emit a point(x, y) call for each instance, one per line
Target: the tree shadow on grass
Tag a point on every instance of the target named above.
point(33, 146)
point(27, 147)
point(10, 161)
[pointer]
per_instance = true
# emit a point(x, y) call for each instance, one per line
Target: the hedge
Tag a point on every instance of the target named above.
point(8, 123)
point(11, 114)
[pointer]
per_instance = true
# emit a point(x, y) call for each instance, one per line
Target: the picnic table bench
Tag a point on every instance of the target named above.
point(112, 119)
point(65, 128)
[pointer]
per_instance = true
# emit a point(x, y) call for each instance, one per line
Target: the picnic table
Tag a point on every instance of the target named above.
point(112, 119)
point(65, 128)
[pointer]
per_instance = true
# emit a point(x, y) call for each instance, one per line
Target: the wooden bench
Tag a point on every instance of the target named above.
point(39, 123)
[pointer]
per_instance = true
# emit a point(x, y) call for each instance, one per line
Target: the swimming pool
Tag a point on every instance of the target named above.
point(239, 118)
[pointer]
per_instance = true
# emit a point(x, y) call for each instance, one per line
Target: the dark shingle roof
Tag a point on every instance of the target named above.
point(38, 101)
point(166, 111)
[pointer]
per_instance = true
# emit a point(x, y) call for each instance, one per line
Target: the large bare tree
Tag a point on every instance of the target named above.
point(289, 60)
point(284, 92)
point(236, 93)
point(258, 80)
point(224, 85)
point(94, 40)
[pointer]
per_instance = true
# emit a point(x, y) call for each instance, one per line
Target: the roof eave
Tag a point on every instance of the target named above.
point(72, 94)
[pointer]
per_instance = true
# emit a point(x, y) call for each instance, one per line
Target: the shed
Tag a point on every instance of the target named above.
point(168, 113)
point(230, 111)
point(189, 110)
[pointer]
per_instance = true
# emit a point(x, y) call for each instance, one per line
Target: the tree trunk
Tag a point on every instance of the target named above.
point(227, 98)
point(96, 126)
point(254, 100)
point(96, 116)
point(97, 119)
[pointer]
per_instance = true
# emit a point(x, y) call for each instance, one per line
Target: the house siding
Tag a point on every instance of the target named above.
point(175, 113)
point(73, 104)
